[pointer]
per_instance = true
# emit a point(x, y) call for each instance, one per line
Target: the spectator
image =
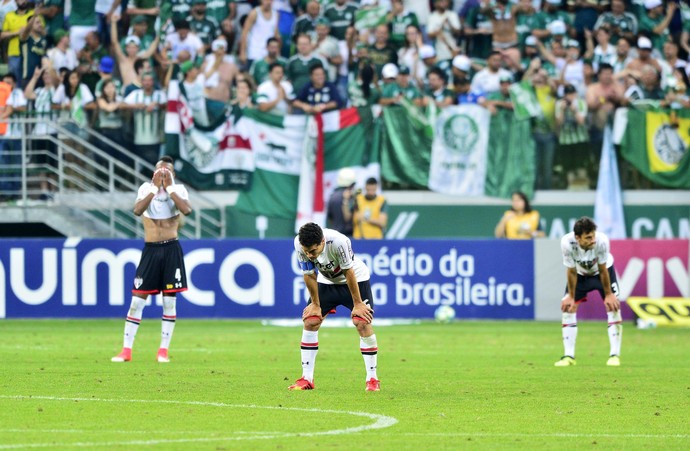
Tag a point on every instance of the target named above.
point(145, 8)
point(461, 68)
point(275, 94)
point(341, 15)
point(526, 21)
point(219, 69)
point(670, 62)
point(586, 15)
point(10, 139)
point(104, 13)
point(393, 93)
point(503, 17)
point(243, 97)
point(650, 83)
point(399, 20)
point(42, 99)
point(573, 71)
point(306, 23)
point(633, 92)
point(33, 47)
point(319, 95)
point(621, 23)
point(126, 60)
point(521, 222)
point(261, 24)
point(204, 27)
point(74, 99)
point(501, 99)
point(140, 29)
point(487, 79)
point(408, 55)
point(644, 56)
point(89, 59)
point(478, 31)
point(623, 57)
point(341, 203)
point(62, 55)
point(14, 22)
point(183, 39)
point(603, 97)
point(655, 23)
point(110, 121)
point(444, 28)
point(298, 67)
point(180, 9)
point(326, 46)
point(82, 20)
point(573, 137)
point(371, 212)
point(544, 126)
point(194, 86)
point(6, 6)
point(604, 52)
point(381, 52)
point(105, 71)
point(549, 17)
point(363, 91)
point(438, 94)
point(259, 68)
point(529, 52)
point(141, 66)
point(147, 104)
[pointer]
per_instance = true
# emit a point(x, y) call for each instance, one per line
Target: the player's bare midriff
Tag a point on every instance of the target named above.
point(157, 230)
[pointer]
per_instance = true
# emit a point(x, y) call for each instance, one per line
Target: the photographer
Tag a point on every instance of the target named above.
point(341, 204)
point(573, 136)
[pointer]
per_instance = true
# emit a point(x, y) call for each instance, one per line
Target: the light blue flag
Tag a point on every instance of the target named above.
point(608, 205)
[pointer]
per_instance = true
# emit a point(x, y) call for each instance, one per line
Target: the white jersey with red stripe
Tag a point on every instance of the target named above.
point(337, 255)
point(586, 261)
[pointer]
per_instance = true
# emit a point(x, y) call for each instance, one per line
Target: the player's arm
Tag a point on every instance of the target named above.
point(359, 309)
point(610, 299)
point(314, 308)
point(181, 203)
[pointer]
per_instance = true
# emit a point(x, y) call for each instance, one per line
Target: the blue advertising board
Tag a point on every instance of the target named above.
point(88, 278)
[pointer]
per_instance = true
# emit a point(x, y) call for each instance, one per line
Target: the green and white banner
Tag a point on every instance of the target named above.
point(366, 18)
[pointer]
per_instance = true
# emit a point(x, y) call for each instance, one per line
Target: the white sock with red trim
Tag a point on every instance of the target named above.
point(569, 334)
point(136, 310)
point(310, 347)
point(369, 349)
point(168, 321)
point(615, 331)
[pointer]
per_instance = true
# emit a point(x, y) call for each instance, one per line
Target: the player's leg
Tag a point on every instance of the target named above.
point(569, 324)
point(134, 314)
point(615, 326)
point(309, 346)
point(174, 281)
point(368, 345)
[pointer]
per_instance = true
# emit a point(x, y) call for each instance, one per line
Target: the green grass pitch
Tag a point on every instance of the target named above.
point(470, 384)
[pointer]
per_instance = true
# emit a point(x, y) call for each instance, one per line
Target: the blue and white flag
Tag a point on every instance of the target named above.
point(608, 205)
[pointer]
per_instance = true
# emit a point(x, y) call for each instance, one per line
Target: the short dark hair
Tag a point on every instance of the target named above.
point(440, 72)
point(271, 39)
point(372, 181)
point(167, 159)
point(584, 225)
point(316, 66)
point(605, 66)
point(310, 234)
point(181, 25)
point(11, 76)
point(274, 65)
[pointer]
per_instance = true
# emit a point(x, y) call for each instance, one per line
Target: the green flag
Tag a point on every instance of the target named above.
point(511, 164)
point(656, 143)
point(405, 147)
point(525, 104)
point(366, 18)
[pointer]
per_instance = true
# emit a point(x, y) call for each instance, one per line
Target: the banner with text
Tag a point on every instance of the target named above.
point(76, 278)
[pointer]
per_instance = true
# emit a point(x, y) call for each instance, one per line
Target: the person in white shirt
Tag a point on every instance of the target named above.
point(261, 24)
point(275, 94)
point(334, 277)
point(184, 39)
point(62, 55)
point(444, 27)
point(587, 257)
point(488, 80)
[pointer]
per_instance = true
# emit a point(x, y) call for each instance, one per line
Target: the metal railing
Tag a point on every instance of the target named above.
point(67, 167)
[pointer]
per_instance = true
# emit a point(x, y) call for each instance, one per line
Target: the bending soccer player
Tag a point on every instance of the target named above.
point(586, 254)
point(342, 279)
point(161, 268)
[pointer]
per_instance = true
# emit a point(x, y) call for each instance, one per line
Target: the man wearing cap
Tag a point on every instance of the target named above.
point(547, 16)
point(14, 22)
point(399, 18)
point(487, 80)
point(644, 57)
point(259, 69)
point(202, 25)
point(105, 71)
point(62, 55)
point(33, 47)
point(461, 68)
point(428, 56)
point(622, 24)
point(573, 71)
point(655, 23)
point(394, 93)
point(193, 87)
point(341, 203)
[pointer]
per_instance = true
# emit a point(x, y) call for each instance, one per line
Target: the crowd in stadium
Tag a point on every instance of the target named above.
point(107, 63)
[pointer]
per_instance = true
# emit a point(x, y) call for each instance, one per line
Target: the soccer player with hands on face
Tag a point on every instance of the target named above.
point(589, 263)
point(333, 276)
point(161, 268)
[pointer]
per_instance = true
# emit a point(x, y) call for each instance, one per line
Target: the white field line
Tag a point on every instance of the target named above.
point(542, 435)
point(380, 422)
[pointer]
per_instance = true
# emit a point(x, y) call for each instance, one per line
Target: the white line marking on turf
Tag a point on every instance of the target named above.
point(381, 421)
point(556, 434)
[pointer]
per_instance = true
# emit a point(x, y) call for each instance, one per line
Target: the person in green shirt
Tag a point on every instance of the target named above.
point(438, 93)
point(398, 20)
point(259, 68)
point(298, 68)
point(53, 13)
point(655, 23)
point(394, 92)
point(341, 15)
point(362, 91)
point(573, 136)
point(545, 27)
point(306, 23)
